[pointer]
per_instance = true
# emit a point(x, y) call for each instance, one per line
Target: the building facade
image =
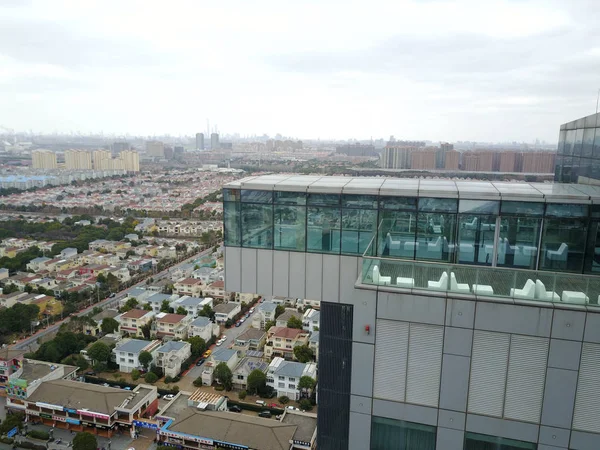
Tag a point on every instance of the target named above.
point(578, 156)
point(454, 314)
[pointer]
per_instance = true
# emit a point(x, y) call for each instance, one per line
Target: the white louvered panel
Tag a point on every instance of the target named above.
point(488, 373)
point(391, 351)
point(526, 378)
point(424, 364)
point(587, 400)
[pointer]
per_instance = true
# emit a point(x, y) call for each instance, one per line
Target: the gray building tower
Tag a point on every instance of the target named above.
point(199, 141)
point(214, 141)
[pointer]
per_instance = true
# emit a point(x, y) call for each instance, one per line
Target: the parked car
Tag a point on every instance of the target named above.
point(200, 361)
point(247, 315)
point(207, 353)
point(266, 414)
point(223, 338)
point(235, 408)
point(218, 344)
point(251, 311)
point(169, 397)
point(238, 323)
point(293, 408)
point(91, 373)
point(274, 405)
point(112, 295)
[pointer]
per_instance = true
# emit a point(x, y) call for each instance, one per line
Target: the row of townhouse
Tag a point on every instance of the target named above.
point(190, 228)
point(169, 355)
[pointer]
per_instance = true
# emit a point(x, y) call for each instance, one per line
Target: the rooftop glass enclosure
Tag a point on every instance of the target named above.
point(420, 229)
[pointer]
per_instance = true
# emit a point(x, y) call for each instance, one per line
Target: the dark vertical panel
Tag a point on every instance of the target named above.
point(335, 366)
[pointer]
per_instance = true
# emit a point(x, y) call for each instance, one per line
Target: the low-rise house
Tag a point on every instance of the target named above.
point(216, 289)
point(37, 264)
point(95, 330)
point(265, 313)
point(133, 320)
point(244, 368)
point(226, 311)
point(68, 252)
point(282, 320)
point(244, 297)
point(316, 304)
point(140, 294)
point(156, 300)
point(203, 274)
point(228, 356)
point(281, 341)
point(311, 320)
point(172, 326)
point(122, 274)
point(111, 339)
point(251, 339)
point(313, 343)
point(201, 326)
point(284, 376)
point(172, 355)
point(193, 305)
point(128, 352)
point(8, 300)
point(188, 286)
point(284, 301)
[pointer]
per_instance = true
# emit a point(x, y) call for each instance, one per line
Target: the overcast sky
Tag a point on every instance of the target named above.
point(440, 70)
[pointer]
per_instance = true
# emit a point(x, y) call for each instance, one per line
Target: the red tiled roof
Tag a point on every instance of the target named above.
point(287, 333)
point(172, 318)
point(135, 313)
point(190, 281)
point(218, 284)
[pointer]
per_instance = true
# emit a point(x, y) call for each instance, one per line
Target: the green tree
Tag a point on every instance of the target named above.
point(146, 328)
point(99, 352)
point(207, 311)
point(223, 375)
point(198, 345)
point(257, 380)
point(109, 325)
point(112, 282)
point(303, 353)
point(135, 374)
point(151, 377)
point(147, 307)
point(305, 404)
point(11, 421)
point(145, 358)
point(28, 288)
point(101, 278)
point(181, 310)
point(269, 324)
point(307, 383)
point(294, 322)
point(85, 441)
point(279, 310)
point(165, 307)
point(130, 304)
point(9, 288)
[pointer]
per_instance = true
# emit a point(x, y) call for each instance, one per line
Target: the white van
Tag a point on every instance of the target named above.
point(261, 402)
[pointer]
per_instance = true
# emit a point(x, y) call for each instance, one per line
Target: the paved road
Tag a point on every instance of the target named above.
point(104, 304)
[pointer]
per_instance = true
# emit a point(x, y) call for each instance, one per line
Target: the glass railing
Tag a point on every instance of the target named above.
point(481, 281)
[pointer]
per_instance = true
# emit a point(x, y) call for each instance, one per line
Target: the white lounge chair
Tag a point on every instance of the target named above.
point(405, 282)
point(441, 285)
point(458, 287)
point(542, 294)
point(393, 244)
point(528, 291)
point(471, 225)
point(378, 279)
point(575, 297)
point(559, 255)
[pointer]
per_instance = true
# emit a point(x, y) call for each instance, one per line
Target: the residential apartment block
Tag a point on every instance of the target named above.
point(284, 376)
point(133, 320)
point(281, 341)
point(202, 327)
point(172, 326)
point(128, 351)
point(171, 356)
point(455, 314)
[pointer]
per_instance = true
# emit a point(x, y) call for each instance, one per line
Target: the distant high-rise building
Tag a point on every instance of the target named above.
point(131, 160)
point(397, 157)
point(168, 152)
point(214, 141)
point(446, 146)
point(118, 147)
point(44, 159)
point(452, 160)
point(356, 150)
point(423, 160)
point(101, 160)
point(78, 160)
point(199, 141)
point(155, 148)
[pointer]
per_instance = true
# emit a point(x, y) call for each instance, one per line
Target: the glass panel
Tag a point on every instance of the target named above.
point(324, 199)
point(566, 169)
point(257, 225)
point(578, 142)
point(563, 243)
point(523, 208)
point(588, 142)
point(592, 260)
point(290, 227)
point(569, 142)
point(231, 224)
point(561, 141)
point(323, 230)
point(476, 239)
point(518, 241)
point(254, 196)
point(595, 173)
point(566, 210)
point(597, 144)
point(399, 203)
point(435, 236)
point(558, 168)
point(585, 167)
point(290, 198)
point(574, 170)
point(359, 201)
point(231, 195)
point(390, 434)
point(358, 228)
point(478, 207)
point(397, 230)
point(438, 204)
point(475, 441)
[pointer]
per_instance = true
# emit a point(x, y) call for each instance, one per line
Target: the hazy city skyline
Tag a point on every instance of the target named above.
point(499, 71)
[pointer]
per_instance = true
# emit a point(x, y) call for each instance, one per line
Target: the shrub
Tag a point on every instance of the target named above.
point(151, 377)
point(198, 381)
point(175, 388)
point(284, 399)
point(6, 440)
point(135, 374)
point(168, 379)
point(39, 434)
point(176, 379)
point(305, 404)
point(219, 388)
point(242, 395)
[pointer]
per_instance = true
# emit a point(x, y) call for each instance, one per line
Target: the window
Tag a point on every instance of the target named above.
point(257, 225)
point(292, 386)
point(281, 385)
point(122, 359)
point(290, 221)
point(359, 220)
point(397, 226)
point(436, 226)
point(129, 354)
point(390, 434)
point(130, 361)
point(281, 378)
point(292, 380)
point(240, 377)
point(476, 441)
